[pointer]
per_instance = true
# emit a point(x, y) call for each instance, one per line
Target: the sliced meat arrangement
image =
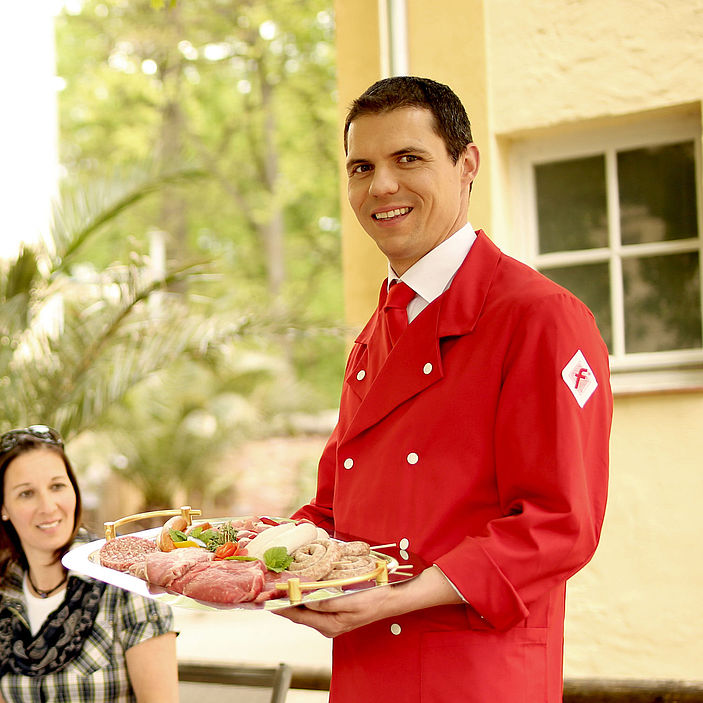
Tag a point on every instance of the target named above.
point(236, 561)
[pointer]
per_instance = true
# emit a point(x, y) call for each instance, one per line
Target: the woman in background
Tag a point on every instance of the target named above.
point(64, 636)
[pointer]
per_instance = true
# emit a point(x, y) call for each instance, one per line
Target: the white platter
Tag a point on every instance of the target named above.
point(84, 559)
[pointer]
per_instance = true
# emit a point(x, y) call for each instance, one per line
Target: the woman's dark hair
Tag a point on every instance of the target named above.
point(451, 121)
point(10, 545)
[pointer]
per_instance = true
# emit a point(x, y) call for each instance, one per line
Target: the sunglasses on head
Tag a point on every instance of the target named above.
point(43, 433)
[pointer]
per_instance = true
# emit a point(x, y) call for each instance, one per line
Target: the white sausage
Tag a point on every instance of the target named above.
point(265, 539)
point(293, 538)
point(303, 534)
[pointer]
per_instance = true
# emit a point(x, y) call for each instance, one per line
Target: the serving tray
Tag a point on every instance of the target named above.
point(393, 565)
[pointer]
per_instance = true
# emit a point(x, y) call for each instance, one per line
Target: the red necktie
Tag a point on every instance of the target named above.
point(395, 309)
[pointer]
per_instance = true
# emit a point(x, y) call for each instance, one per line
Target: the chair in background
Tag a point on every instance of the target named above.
point(214, 683)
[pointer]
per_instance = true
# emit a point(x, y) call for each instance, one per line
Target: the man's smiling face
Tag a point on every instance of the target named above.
point(402, 184)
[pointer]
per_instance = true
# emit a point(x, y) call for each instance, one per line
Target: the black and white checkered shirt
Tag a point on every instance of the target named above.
point(99, 673)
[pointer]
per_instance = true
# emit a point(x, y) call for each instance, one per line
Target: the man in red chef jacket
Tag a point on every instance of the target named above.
point(479, 436)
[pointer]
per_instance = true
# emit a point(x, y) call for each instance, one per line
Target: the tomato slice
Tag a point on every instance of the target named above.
point(228, 549)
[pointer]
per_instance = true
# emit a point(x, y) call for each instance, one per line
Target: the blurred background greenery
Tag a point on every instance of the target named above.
point(188, 298)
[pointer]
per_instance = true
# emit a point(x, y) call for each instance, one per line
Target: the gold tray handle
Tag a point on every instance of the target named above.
point(185, 511)
point(295, 588)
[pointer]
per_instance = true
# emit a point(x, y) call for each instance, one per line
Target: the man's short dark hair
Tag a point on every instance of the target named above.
point(451, 121)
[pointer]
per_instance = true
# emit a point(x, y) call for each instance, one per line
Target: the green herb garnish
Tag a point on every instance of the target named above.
point(206, 535)
point(277, 559)
point(219, 535)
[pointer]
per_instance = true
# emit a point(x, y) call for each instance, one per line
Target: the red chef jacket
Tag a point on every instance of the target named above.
point(483, 442)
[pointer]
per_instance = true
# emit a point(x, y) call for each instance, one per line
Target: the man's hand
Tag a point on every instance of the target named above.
point(339, 615)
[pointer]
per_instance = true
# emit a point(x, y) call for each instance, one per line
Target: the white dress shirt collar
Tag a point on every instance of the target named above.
point(431, 275)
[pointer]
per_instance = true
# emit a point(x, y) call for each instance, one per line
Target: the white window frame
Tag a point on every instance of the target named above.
point(634, 372)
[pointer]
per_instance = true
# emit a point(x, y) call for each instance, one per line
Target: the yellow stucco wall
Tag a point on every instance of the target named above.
point(635, 611)
point(438, 49)
point(522, 65)
point(555, 61)
point(358, 58)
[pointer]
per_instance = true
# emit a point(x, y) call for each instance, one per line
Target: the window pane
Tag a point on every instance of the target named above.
point(571, 204)
point(662, 303)
point(657, 193)
point(591, 284)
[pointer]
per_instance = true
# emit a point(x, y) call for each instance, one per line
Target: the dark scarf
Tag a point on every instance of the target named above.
point(61, 637)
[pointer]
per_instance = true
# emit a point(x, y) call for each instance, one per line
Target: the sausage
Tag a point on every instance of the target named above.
point(164, 541)
point(352, 566)
point(355, 549)
point(313, 561)
point(288, 535)
point(266, 539)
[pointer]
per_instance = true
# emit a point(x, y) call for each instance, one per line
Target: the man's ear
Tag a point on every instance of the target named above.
point(469, 160)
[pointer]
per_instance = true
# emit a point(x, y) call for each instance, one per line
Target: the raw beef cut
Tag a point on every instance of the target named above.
point(162, 568)
point(193, 572)
point(222, 581)
point(269, 590)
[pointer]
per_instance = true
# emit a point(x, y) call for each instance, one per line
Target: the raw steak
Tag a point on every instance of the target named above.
point(222, 581)
point(162, 568)
point(269, 591)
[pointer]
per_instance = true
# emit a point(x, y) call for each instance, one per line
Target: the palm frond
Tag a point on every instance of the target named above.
point(72, 375)
point(68, 349)
point(82, 212)
point(20, 275)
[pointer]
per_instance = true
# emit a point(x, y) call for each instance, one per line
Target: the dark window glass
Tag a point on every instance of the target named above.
point(662, 303)
point(657, 192)
point(571, 204)
point(591, 284)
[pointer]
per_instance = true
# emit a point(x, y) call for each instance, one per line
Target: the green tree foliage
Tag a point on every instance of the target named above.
point(160, 387)
point(246, 89)
point(243, 90)
point(74, 341)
